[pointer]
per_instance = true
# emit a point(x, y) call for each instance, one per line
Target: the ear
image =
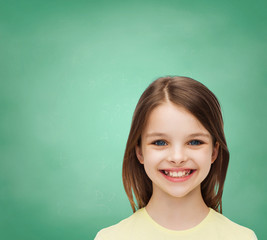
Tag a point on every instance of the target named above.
point(215, 152)
point(138, 152)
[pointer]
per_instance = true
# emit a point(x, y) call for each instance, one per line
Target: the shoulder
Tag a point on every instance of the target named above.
point(123, 228)
point(229, 228)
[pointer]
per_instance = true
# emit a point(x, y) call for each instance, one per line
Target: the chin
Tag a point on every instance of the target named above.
point(184, 193)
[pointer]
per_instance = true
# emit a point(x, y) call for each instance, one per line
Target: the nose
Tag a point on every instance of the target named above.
point(177, 155)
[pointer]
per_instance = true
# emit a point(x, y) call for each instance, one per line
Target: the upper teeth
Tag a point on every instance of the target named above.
point(177, 174)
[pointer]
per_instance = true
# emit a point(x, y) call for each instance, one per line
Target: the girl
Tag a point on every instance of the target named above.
point(175, 164)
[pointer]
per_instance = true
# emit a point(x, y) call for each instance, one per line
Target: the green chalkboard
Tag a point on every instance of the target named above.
point(71, 73)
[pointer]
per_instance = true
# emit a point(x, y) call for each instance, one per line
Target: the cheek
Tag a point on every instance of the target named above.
point(150, 158)
point(203, 157)
point(152, 161)
point(153, 156)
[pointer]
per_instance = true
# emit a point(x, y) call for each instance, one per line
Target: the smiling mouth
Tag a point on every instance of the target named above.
point(177, 174)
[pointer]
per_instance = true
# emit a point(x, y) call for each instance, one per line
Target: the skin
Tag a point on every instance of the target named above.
point(167, 143)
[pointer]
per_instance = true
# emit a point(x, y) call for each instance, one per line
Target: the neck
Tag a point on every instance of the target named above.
point(177, 213)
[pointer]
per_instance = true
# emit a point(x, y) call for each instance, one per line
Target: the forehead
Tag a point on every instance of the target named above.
point(173, 119)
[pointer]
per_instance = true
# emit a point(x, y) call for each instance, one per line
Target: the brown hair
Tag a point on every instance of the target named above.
point(203, 104)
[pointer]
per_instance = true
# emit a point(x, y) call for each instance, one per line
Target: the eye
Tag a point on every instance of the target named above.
point(160, 143)
point(195, 142)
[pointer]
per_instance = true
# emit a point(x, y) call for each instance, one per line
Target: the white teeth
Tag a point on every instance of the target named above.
point(177, 174)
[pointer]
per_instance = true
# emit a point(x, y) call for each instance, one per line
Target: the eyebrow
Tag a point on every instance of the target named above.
point(155, 135)
point(199, 135)
point(206, 135)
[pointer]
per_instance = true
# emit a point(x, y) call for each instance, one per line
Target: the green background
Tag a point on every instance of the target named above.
point(71, 73)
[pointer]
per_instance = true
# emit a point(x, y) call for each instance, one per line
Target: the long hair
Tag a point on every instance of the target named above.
point(203, 104)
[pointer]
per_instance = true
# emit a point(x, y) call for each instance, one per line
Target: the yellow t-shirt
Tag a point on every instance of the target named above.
point(140, 226)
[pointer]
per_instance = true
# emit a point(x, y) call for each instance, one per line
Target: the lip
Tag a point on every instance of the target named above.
point(176, 169)
point(177, 179)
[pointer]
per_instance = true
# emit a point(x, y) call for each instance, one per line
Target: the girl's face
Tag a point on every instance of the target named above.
point(176, 150)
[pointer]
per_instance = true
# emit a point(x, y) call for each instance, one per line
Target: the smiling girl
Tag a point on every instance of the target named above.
point(175, 164)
